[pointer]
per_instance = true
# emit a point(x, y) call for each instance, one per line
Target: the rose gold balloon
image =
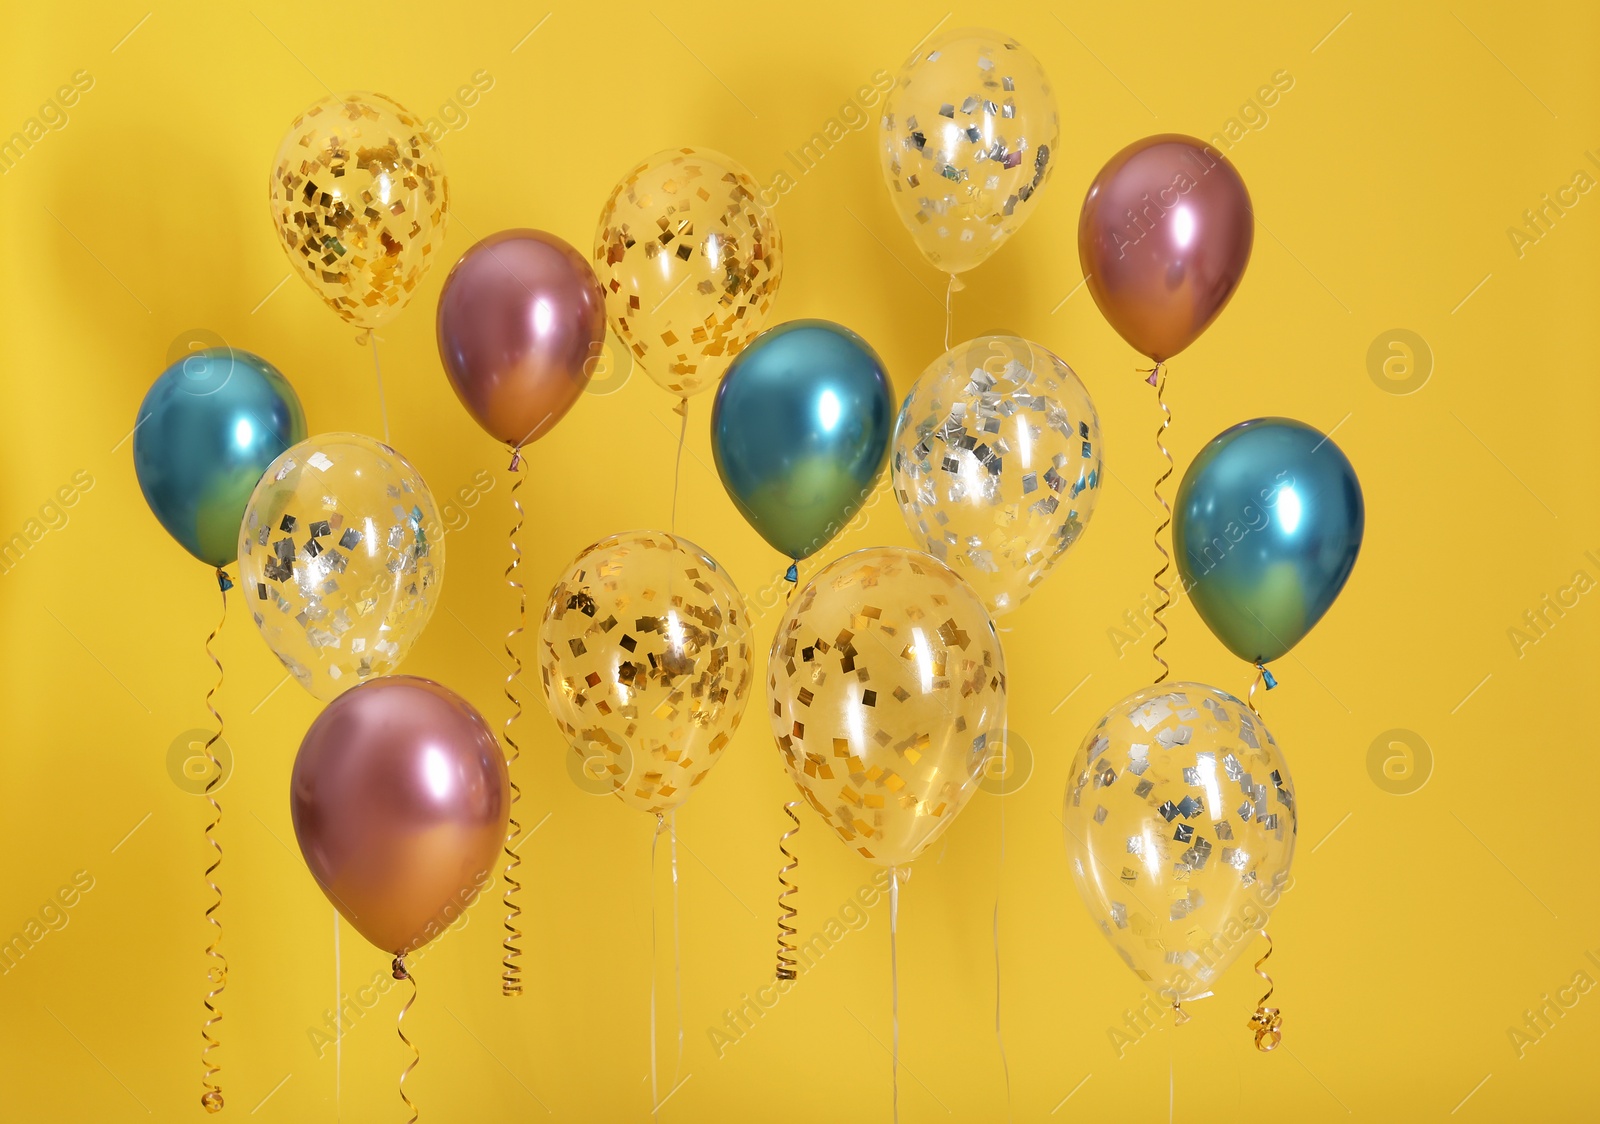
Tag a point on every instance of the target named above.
point(399, 798)
point(522, 320)
point(1164, 237)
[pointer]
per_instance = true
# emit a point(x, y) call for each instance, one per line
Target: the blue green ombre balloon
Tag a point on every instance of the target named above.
point(1266, 531)
point(800, 431)
point(207, 430)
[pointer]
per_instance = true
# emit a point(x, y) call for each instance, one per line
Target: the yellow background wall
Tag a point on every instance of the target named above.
point(1422, 925)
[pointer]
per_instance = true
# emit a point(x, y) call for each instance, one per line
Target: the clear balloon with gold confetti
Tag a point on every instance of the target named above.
point(360, 200)
point(997, 464)
point(644, 658)
point(970, 134)
point(341, 556)
point(888, 694)
point(690, 260)
point(1180, 829)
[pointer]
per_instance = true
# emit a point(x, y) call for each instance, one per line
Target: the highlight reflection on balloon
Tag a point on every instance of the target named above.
point(1266, 529)
point(207, 429)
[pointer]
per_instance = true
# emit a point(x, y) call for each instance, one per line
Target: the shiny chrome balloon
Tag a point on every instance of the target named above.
point(206, 431)
point(800, 431)
point(1266, 531)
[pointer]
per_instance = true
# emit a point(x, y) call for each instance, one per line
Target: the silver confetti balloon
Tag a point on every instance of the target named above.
point(1180, 822)
point(341, 554)
point(997, 464)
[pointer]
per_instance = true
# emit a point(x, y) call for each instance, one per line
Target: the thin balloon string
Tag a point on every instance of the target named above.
point(401, 973)
point(787, 964)
point(677, 468)
point(217, 973)
point(999, 1035)
point(338, 1019)
point(377, 370)
point(1267, 1022)
point(511, 978)
point(894, 982)
point(1158, 379)
point(677, 946)
point(655, 1092)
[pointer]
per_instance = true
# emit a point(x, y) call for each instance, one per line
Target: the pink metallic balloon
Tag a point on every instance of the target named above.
point(1164, 237)
point(522, 320)
point(400, 798)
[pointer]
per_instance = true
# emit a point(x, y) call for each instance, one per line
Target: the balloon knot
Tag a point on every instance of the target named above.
point(516, 459)
point(792, 574)
point(398, 968)
point(1266, 676)
point(224, 582)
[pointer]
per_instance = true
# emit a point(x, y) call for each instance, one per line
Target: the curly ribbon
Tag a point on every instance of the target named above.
point(217, 974)
point(1263, 676)
point(511, 979)
point(1267, 1022)
point(1158, 379)
point(682, 410)
point(894, 980)
point(787, 965)
point(400, 973)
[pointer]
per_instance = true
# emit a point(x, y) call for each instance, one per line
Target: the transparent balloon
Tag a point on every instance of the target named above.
point(644, 657)
point(359, 198)
point(341, 556)
point(1180, 828)
point(969, 137)
point(888, 692)
point(690, 261)
point(997, 464)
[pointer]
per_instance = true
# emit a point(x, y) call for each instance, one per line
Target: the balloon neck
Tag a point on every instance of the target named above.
point(516, 459)
point(1153, 375)
point(1179, 1015)
point(224, 582)
point(399, 968)
point(1266, 676)
point(956, 284)
point(792, 574)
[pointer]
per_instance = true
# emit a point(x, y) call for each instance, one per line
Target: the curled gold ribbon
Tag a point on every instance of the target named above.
point(511, 979)
point(400, 973)
point(1158, 379)
point(787, 965)
point(1267, 1022)
point(217, 974)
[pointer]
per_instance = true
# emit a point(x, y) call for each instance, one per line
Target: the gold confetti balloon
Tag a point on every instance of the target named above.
point(1180, 827)
point(359, 198)
point(690, 261)
point(888, 693)
point(341, 555)
point(970, 133)
point(997, 464)
point(644, 657)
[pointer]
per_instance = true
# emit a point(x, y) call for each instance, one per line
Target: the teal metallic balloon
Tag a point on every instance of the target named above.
point(207, 430)
point(800, 430)
point(1266, 531)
